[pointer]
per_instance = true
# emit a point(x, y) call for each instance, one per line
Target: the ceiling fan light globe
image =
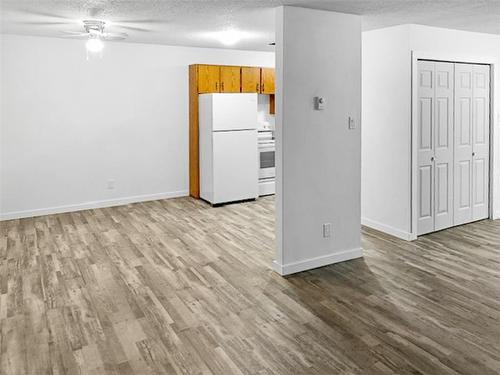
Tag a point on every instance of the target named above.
point(94, 45)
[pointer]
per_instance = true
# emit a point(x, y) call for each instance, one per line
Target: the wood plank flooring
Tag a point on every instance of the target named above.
point(178, 287)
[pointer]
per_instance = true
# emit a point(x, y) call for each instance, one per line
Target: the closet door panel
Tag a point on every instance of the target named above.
point(463, 144)
point(464, 177)
point(426, 206)
point(443, 145)
point(426, 112)
point(481, 141)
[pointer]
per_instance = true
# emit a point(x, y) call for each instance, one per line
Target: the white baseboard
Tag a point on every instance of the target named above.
point(387, 229)
point(496, 215)
point(91, 205)
point(325, 260)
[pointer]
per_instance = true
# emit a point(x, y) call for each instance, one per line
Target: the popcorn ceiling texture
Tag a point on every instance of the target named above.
point(183, 22)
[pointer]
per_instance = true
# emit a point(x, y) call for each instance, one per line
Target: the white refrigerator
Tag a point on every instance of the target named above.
point(228, 147)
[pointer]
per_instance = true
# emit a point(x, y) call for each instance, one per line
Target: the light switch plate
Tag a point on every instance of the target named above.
point(352, 123)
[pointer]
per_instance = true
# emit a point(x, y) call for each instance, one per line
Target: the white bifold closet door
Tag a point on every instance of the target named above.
point(435, 146)
point(453, 144)
point(472, 142)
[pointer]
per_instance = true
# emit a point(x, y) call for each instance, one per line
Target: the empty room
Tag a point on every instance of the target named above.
point(249, 187)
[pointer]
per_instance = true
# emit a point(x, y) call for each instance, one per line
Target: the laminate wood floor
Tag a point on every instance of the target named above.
point(178, 287)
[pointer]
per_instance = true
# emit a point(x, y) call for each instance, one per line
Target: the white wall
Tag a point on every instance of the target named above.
point(386, 135)
point(318, 180)
point(386, 173)
point(68, 124)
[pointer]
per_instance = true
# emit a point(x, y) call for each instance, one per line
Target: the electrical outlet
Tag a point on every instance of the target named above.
point(327, 230)
point(111, 184)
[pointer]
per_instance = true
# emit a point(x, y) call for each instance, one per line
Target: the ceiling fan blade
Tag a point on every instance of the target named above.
point(44, 14)
point(82, 37)
point(75, 32)
point(114, 36)
point(150, 21)
point(74, 35)
point(133, 28)
point(43, 23)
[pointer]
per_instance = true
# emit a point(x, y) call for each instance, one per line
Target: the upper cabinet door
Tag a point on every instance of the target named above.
point(208, 79)
point(267, 81)
point(230, 79)
point(250, 79)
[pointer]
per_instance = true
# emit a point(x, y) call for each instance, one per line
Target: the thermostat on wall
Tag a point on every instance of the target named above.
point(319, 103)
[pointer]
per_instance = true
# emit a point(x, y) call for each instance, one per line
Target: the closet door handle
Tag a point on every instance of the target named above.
point(432, 158)
point(473, 154)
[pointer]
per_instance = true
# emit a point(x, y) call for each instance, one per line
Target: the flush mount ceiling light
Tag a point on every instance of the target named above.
point(230, 36)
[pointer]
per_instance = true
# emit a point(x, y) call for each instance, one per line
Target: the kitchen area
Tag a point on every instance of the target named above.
point(231, 135)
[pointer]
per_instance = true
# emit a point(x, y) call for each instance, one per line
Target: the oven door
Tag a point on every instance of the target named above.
point(267, 167)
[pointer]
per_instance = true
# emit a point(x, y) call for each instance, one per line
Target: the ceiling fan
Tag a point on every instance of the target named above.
point(95, 35)
point(42, 18)
point(95, 29)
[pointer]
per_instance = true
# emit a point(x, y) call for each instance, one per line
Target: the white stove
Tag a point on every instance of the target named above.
point(267, 162)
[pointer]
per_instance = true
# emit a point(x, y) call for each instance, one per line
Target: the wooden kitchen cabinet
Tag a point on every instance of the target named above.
point(272, 104)
point(267, 81)
point(234, 79)
point(250, 79)
point(230, 79)
point(208, 78)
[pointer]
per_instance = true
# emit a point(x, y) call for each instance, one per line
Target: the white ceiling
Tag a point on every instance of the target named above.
point(186, 22)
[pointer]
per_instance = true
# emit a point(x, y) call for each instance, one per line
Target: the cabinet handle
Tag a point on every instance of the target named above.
point(473, 154)
point(222, 86)
point(263, 87)
point(216, 86)
point(257, 88)
point(432, 158)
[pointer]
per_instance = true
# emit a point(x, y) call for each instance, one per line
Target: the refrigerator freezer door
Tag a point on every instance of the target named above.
point(234, 111)
point(235, 166)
